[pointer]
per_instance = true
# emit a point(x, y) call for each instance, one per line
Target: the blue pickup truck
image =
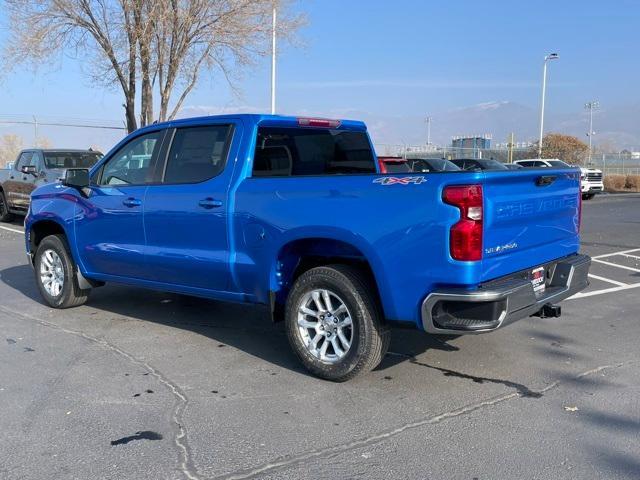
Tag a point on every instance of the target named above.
point(293, 214)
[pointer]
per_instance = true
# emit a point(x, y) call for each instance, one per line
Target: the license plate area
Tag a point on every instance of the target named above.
point(538, 278)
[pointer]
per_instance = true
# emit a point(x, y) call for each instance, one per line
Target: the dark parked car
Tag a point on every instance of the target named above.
point(432, 165)
point(35, 167)
point(478, 164)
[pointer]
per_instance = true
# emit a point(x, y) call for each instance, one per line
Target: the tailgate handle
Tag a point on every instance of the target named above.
point(545, 180)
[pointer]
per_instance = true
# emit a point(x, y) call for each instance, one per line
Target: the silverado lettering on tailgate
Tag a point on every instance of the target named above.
point(529, 207)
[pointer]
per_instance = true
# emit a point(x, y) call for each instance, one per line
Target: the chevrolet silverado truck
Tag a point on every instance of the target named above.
point(591, 182)
point(35, 167)
point(293, 214)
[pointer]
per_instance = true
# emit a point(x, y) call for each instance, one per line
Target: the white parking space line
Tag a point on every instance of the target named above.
point(616, 265)
point(9, 229)
point(630, 256)
point(608, 280)
point(615, 253)
point(603, 291)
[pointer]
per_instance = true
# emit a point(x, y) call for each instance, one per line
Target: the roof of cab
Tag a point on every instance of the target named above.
point(253, 119)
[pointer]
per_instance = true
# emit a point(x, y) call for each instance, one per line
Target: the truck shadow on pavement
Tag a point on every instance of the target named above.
point(244, 327)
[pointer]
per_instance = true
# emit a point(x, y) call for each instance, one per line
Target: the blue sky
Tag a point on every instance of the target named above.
point(399, 58)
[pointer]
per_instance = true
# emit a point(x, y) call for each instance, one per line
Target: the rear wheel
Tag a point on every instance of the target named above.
point(56, 274)
point(5, 215)
point(334, 323)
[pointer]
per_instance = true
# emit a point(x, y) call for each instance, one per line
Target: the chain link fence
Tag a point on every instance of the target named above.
point(609, 163)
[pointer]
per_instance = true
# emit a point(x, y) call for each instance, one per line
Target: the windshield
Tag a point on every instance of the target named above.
point(71, 159)
point(435, 164)
point(558, 163)
point(492, 165)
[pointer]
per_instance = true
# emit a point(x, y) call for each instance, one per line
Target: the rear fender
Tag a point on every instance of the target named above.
point(332, 244)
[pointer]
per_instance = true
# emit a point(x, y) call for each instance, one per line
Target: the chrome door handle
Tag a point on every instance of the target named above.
point(131, 202)
point(209, 203)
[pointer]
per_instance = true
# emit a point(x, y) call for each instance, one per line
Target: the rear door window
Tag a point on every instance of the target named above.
point(311, 151)
point(197, 153)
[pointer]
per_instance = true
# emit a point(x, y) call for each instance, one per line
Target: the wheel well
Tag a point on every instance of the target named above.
point(297, 257)
point(42, 229)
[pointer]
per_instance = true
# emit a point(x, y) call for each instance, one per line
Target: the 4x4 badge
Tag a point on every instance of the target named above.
point(400, 180)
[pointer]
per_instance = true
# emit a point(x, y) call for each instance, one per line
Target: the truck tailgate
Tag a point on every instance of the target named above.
point(531, 217)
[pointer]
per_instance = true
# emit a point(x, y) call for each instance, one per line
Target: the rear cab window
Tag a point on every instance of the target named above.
point(291, 151)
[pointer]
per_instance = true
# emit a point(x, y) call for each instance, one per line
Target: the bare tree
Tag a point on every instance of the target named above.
point(565, 147)
point(204, 35)
point(10, 146)
point(42, 142)
point(161, 44)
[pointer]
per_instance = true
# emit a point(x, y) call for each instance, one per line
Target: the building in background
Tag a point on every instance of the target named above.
point(472, 143)
point(477, 141)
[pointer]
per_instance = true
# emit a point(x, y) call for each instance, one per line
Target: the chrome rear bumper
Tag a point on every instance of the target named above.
point(502, 301)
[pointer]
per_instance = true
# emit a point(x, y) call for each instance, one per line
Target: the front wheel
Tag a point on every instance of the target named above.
point(5, 215)
point(334, 323)
point(56, 274)
point(588, 196)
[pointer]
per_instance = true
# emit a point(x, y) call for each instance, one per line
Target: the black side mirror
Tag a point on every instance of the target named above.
point(76, 178)
point(29, 170)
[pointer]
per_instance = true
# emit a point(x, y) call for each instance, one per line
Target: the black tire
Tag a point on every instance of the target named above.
point(71, 295)
point(5, 215)
point(588, 196)
point(370, 336)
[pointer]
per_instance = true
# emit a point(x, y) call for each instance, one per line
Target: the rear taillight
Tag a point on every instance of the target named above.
point(382, 165)
point(465, 237)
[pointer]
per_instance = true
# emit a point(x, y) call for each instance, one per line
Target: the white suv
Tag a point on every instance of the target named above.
point(590, 178)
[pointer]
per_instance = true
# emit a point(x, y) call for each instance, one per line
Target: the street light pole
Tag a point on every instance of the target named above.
point(428, 130)
point(273, 62)
point(591, 106)
point(551, 56)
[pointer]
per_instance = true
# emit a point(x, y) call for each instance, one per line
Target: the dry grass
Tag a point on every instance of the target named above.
point(622, 183)
point(632, 183)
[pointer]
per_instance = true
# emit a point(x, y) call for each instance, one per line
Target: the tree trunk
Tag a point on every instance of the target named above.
point(130, 114)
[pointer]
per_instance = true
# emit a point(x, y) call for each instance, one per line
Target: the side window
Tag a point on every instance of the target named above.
point(525, 164)
point(26, 158)
point(38, 161)
point(197, 153)
point(282, 152)
point(134, 163)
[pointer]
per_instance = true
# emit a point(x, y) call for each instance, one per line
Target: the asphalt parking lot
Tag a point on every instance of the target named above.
point(147, 385)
